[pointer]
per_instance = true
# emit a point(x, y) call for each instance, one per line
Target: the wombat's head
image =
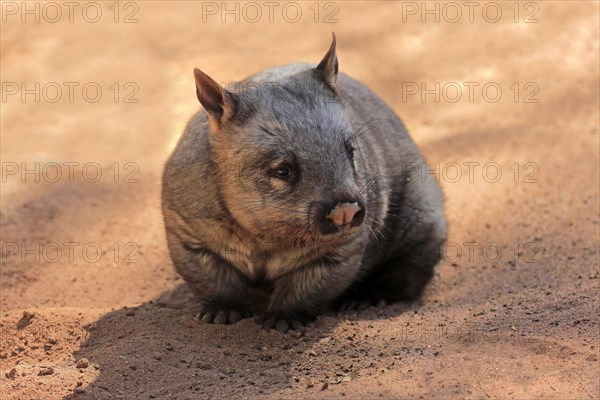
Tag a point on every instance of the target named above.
point(284, 149)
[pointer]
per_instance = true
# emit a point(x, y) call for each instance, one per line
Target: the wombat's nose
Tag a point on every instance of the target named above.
point(343, 213)
point(332, 217)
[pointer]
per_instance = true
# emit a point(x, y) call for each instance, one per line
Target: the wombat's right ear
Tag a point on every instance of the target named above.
point(218, 102)
point(327, 69)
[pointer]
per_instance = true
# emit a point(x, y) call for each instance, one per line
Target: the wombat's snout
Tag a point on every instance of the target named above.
point(335, 216)
point(343, 213)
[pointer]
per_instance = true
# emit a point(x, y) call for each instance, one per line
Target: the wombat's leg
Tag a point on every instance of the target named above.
point(302, 294)
point(403, 277)
point(220, 287)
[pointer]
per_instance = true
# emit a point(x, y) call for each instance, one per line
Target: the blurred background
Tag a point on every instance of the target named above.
point(501, 97)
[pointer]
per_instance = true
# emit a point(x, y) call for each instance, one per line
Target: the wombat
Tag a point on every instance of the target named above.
point(295, 191)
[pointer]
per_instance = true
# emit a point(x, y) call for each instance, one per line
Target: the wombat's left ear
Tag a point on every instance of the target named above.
point(328, 67)
point(218, 102)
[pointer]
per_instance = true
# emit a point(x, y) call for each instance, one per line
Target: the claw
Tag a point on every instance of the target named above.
point(221, 318)
point(269, 323)
point(298, 326)
point(282, 326)
point(360, 305)
point(294, 327)
point(234, 317)
point(207, 318)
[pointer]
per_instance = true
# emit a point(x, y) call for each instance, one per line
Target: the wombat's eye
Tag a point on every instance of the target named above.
point(350, 150)
point(284, 170)
point(283, 173)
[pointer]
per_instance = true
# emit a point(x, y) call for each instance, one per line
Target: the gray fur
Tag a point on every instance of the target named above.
point(246, 243)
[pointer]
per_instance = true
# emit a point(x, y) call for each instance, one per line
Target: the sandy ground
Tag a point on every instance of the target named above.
point(92, 308)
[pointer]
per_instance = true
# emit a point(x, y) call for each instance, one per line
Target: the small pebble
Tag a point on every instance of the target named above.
point(46, 371)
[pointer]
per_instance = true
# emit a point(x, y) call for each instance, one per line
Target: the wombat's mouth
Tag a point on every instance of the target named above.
point(314, 237)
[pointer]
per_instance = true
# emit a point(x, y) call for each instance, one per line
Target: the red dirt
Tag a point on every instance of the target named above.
point(522, 325)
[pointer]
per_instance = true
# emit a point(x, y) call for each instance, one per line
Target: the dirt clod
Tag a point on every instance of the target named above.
point(46, 371)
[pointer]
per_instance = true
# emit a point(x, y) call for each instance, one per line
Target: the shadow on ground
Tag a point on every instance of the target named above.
point(161, 344)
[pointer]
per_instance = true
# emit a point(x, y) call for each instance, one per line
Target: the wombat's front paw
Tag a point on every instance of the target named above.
point(223, 316)
point(283, 324)
point(360, 304)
